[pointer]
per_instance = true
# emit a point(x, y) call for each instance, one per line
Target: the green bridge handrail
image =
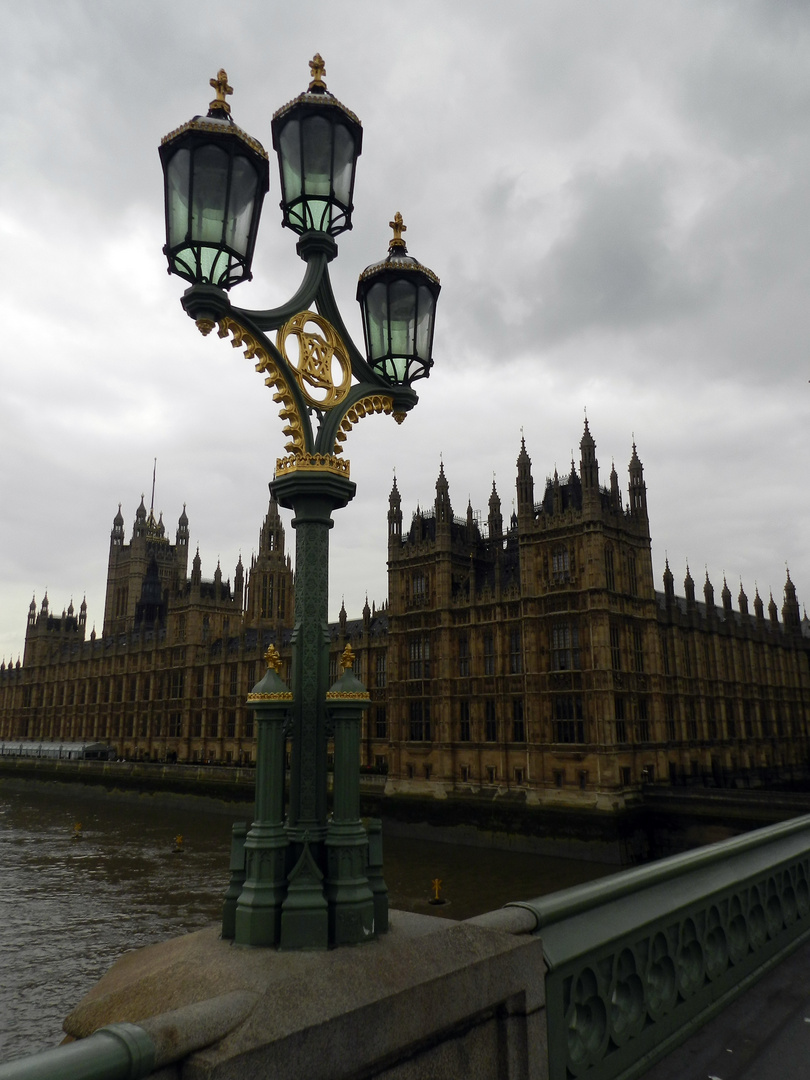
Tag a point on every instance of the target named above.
point(638, 961)
point(131, 1051)
point(116, 1052)
point(579, 898)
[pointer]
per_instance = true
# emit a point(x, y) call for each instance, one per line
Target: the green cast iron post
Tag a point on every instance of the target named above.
point(313, 496)
point(258, 909)
point(351, 902)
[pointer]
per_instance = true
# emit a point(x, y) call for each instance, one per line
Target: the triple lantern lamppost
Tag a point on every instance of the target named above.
point(311, 879)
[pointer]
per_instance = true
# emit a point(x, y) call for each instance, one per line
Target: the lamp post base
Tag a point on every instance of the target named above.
point(304, 913)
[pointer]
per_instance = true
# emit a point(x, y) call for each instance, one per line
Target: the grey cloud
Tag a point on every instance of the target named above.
point(614, 267)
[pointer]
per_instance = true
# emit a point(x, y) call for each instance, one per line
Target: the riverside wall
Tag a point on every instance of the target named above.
point(662, 821)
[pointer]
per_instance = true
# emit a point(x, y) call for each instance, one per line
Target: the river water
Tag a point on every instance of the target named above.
point(69, 908)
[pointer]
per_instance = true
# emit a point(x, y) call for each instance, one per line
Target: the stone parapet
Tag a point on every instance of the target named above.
point(431, 997)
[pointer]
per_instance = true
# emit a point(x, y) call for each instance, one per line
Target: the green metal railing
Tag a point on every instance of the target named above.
point(638, 961)
point(132, 1051)
point(117, 1052)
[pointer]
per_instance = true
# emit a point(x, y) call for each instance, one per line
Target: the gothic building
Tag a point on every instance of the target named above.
point(540, 659)
point(532, 659)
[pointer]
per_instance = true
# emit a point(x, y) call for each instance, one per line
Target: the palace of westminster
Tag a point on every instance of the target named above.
point(533, 658)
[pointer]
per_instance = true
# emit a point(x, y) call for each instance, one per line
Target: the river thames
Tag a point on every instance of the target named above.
point(69, 908)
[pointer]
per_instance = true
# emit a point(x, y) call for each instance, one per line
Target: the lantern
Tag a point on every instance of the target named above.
point(398, 301)
point(216, 177)
point(318, 142)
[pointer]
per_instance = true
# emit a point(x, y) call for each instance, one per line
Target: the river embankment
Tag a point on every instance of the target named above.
point(662, 821)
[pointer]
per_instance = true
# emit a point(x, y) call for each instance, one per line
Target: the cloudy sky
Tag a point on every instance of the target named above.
point(615, 196)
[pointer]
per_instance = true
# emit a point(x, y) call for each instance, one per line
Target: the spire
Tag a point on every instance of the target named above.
point(689, 590)
point(271, 535)
point(773, 614)
point(366, 614)
point(342, 618)
point(444, 511)
point(791, 616)
point(394, 514)
point(525, 484)
point(669, 583)
point(117, 534)
point(637, 488)
point(708, 596)
point(495, 519)
point(181, 536)
point(589, 469)
point(615, 493)
point(742, 600)
point(759, 610)
point(239, 583)
point(196, 568)
point(725, 596)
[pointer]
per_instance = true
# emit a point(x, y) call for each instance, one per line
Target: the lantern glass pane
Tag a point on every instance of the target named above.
point(427, 306)
point(344, 164)
point(376, 304)
point(401, 317)
point(396, 369)
point(244, 182)
point(290, 152)
point(317, 155)
point(317, 147)
point(177, 197)
point(213, 264)
point(209, 193)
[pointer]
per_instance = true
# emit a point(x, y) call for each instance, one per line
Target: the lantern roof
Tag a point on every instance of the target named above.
point(398, 259)
point(218, 121)
point(316, 95)
point(219, 125)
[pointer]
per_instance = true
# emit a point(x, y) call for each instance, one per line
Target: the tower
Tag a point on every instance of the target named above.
point(394, 517)
point(129, 564)
point(495, 519)
point(269, 584)
point(525, 486)
point(637, 489)
point(589, 474)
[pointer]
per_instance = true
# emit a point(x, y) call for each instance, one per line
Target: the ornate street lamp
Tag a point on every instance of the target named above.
point(309, 880)
point(216, 177)
point(398, 299)
point(318, 142)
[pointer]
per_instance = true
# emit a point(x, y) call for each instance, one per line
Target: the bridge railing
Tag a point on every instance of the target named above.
point(133, 1051)
point(638, 961)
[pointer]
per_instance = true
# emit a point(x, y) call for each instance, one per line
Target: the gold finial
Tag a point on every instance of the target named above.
point(272, 658)
point(220, 84)
point(347, 658)
point(317, 70)
point(399, 228)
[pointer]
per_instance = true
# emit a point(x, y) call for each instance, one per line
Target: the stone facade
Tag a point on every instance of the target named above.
point(533, 659)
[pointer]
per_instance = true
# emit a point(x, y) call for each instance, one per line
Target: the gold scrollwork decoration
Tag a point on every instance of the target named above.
point(274, 378)
point(317, 352)
point(312, 462)
point(373, 403)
